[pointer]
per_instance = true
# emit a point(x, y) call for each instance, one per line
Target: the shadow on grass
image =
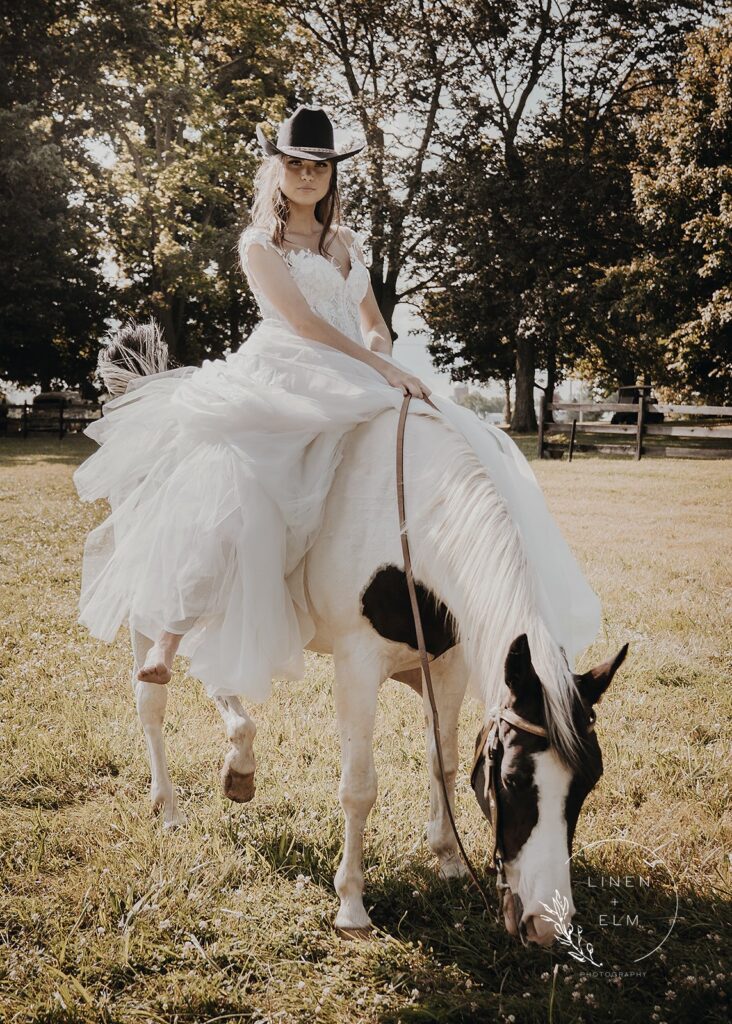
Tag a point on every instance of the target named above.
point(74, 448)
point(462, 939)
point(69, 450)
point(31, 790)
point(454, 962)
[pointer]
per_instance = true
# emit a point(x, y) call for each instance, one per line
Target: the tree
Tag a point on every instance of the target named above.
point(674, 295)
point(552, 80)
point(54, 298)
point(385, 68)
point(481, 405)
point(524, 259)
point(129, 154)
point(181, 127)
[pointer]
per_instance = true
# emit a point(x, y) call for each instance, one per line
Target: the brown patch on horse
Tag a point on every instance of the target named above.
point(385, 603)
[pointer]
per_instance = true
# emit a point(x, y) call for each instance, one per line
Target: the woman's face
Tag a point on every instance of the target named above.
point(305, 182)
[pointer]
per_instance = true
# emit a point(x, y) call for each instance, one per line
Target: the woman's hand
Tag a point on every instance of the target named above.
point(406, 381)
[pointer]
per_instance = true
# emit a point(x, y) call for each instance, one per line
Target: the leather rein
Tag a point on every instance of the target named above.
point(488, 737)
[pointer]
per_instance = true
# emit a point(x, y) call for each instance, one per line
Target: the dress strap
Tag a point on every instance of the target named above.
point(255, 236)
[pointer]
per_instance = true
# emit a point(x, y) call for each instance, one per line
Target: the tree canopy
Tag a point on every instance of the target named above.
point(548, 183)
point(669, 307)
point(538, 195)
point(127, 165)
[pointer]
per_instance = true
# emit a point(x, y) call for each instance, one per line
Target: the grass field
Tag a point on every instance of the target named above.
point(103, 917)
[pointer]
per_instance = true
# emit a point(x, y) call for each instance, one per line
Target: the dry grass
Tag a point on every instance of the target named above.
point(105, 918)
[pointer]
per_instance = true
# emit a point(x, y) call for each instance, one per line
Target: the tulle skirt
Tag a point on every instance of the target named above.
point(217, 477)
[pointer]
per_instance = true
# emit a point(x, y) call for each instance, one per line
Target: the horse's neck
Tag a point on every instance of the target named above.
point(468, 549)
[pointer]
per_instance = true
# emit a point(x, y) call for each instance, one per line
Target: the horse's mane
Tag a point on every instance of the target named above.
point(473, 542)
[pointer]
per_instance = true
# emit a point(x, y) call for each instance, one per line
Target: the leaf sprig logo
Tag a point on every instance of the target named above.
point(578, 948)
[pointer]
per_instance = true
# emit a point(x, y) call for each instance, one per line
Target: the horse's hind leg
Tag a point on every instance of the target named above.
point(450, 677)
point(357, 681)
point(151, 701)
point(237, 774)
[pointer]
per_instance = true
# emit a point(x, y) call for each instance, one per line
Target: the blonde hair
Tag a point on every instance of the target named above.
point(270, 207)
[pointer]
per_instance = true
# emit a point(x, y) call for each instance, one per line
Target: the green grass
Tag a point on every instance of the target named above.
point(103, 917)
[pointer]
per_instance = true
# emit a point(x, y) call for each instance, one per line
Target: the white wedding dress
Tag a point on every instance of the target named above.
point(217, 477)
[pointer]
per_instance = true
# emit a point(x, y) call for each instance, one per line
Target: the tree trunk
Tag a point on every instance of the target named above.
point(507, 400)
point(387, 311)
point(385, 295)
point(551, 379)
point(171, 317)
point(164, 316)
point(523, 420)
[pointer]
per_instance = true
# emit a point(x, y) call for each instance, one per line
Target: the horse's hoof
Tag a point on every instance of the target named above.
point(168, 810)
point(237, 786)
point(352, 934)
point(452, 867)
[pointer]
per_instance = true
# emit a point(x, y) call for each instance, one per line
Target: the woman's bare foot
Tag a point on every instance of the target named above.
point(159, 661)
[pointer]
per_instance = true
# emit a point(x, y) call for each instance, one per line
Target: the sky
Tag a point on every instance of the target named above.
point(411, 351)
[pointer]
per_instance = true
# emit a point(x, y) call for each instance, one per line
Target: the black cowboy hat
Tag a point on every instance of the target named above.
point(308, 134)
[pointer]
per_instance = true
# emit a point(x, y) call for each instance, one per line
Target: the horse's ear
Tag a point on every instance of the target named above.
point(592, 684)
point(519, 672)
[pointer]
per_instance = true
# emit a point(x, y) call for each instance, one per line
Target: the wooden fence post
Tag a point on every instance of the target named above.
point(639, 429)
point(571, 438)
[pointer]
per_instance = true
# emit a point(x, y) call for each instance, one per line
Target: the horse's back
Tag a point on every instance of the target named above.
point(360, 529)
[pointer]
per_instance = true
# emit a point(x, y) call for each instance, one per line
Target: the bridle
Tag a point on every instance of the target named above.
point(486, 747)
point(488, 739)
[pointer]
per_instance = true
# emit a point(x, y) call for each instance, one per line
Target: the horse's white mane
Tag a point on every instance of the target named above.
point(477, 550)
point(129, 355)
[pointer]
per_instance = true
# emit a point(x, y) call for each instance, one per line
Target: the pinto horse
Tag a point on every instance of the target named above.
point(482, 628)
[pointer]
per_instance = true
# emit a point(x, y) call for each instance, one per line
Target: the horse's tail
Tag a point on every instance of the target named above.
point(135, 351)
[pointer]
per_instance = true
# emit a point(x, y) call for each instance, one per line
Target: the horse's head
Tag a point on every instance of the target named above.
point(532, 792)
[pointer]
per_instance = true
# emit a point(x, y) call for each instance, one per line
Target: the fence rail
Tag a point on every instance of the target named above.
point(639, 438)
point(25, 419)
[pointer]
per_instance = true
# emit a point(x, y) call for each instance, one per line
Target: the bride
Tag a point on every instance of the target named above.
point(218, 475)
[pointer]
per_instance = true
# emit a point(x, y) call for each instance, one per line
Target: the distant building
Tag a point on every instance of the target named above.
point(460, 391)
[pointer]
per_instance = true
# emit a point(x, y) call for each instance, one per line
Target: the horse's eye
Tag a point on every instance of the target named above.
point(514, 780)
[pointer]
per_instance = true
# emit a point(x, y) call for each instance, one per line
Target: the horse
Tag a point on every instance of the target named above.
point(483, 631)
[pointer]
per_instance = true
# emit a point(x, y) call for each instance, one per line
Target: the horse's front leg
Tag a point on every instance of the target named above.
point(237, 773)
point(450, 678)
point(357, 681)
point(151, 699)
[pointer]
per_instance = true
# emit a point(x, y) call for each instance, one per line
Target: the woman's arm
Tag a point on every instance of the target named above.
point(275, 282)
point(373, 326)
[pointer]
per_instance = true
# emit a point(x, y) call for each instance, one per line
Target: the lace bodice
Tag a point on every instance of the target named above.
point(326, 291)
